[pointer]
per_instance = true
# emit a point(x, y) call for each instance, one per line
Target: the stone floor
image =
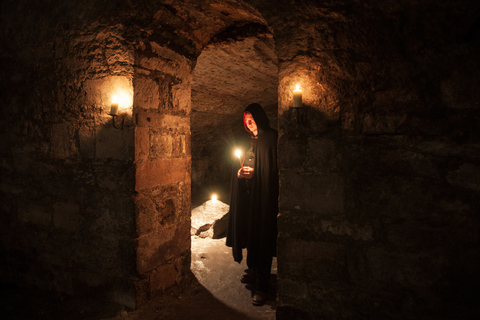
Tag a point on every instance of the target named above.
point(216, 294)
point(213, 266)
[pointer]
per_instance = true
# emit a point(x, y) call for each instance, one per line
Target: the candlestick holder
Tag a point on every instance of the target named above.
point(120, 126)
point(301, 116)
point(298, 105)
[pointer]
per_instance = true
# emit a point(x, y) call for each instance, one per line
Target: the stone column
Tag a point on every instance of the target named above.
point(163, 167)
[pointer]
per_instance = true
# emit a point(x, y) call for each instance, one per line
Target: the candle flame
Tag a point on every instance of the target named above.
point(122, 99)
point(297, 87)
point(214, 197)
point(238, 153)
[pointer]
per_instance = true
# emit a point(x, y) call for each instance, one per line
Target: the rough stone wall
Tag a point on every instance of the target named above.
point(163, 168)
point(67, 220)
point(379, 183)
point(86, 208)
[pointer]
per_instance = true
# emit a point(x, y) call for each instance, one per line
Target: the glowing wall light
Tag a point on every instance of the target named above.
point(297, 97)
point(300, 115)
point(121, 103)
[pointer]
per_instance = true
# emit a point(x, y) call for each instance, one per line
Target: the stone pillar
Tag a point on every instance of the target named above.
point(378, 181)
point(163, 167)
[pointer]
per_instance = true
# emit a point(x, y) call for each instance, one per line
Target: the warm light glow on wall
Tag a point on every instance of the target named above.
point(117, 91)
point(124, 98)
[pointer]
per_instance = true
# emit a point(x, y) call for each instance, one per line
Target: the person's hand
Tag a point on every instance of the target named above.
point(245, 173)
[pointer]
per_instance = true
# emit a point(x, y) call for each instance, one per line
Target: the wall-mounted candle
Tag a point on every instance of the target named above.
point(297, 97)
point(238, 153)
point(114, 107)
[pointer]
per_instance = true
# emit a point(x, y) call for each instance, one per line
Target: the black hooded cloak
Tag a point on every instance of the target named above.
point(252, 222)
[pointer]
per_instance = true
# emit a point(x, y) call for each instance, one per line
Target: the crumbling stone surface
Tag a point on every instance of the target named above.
point(67, 175)
point(210, 220)
point(370, 172)
point(162, 179)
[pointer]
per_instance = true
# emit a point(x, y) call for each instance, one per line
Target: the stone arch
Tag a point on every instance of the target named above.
point(165, 53)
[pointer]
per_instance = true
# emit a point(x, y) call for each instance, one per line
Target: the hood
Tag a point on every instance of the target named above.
point(259, 116)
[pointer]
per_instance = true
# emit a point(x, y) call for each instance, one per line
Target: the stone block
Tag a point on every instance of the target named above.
point(167, 61)
point(210, 219)
point(303, 261)
point(162, 278)
point(293, 289)
point(146, 93)
point(343, 228)
point(146, 214)
point(35, 214)
point(115, 144)
point(142, 290)
point(466, 176)
point(292, 153)
point(160, 172)
point(148, 119)
point(322, 194)
point(382, 124)
point(66, 216)
point(322, 155)
point(145, 118)
point(155, 248)
point(153, 212)
point(182, 97)
point(86, 138)
point(382, 264)
point(142, 143)
point(21, 162)
point(161, 145)
point(62, 145)
point(123, 296)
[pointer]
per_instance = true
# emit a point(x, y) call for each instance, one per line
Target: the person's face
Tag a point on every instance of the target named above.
point(251, 125)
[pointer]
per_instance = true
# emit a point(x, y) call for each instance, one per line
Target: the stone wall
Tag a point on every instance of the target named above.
point(163, 161)
point(67, 174)
point(88, 209)
point(379, 171)
point(379, 175)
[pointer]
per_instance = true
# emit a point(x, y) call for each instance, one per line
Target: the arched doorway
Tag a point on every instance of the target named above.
point(168, 124)
point(237, 69)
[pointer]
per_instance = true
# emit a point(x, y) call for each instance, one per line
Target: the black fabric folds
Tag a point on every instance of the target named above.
point(253, 211)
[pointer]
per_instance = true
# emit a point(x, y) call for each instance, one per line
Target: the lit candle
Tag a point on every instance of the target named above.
point(238, 153)
point(297, 97)
point(214, 197)
point(114, 107)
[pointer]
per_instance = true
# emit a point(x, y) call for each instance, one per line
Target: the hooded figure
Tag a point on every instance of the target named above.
point(253, 210)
